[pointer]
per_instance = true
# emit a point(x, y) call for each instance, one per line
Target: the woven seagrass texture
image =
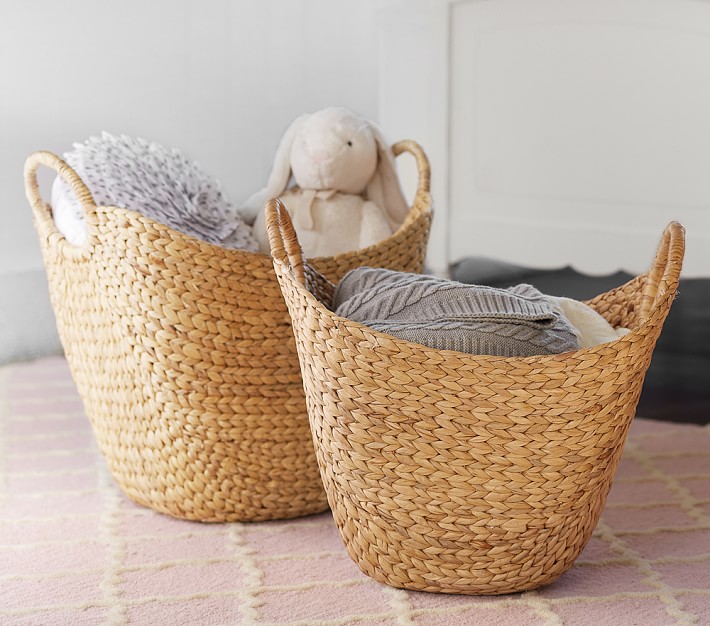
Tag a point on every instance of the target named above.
point(461, 473)
point(184, 357)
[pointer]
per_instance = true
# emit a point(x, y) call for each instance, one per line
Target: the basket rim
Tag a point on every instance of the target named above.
point(419, 207)
point(669, 259)
point(384, 338)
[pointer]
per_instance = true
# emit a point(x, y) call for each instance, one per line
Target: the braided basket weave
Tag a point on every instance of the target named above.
point(459, 473)
point(184, 357)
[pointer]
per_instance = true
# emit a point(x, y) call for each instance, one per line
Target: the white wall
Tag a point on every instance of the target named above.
point(219, 79)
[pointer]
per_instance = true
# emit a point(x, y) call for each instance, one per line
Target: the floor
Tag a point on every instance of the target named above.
point(677, 386)
point(74, 550)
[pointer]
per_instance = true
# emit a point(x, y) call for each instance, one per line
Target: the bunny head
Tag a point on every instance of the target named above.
point(334, 149)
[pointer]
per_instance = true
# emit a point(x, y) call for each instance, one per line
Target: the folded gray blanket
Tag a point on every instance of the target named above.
point(448, 315)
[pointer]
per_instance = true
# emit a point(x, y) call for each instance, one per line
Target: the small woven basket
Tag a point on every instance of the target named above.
point(460, 473)
point(184, 357)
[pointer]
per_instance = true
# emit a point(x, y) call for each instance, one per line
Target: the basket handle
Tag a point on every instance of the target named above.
point(423, 167)
point(664, 274)
point(43, 211)
point(285, 246)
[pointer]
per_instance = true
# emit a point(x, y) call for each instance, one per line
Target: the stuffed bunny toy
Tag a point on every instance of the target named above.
point(346, 194)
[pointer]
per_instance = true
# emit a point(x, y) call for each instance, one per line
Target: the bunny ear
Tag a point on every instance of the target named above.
point(384, 189)
point(280, 172)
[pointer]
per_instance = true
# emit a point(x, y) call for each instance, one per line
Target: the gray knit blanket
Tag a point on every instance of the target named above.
point(444, 314)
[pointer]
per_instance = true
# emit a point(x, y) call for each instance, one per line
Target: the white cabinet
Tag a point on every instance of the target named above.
point(560, 131)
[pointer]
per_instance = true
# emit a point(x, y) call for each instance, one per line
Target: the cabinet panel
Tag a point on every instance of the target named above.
point(575, 130)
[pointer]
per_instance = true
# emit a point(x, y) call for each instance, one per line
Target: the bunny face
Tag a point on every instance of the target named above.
point(334, 149)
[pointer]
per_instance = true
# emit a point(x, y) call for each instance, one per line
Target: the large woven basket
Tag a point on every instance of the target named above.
point(460, 473)
point(184, 356)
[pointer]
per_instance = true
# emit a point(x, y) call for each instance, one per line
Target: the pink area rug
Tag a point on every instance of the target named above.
point(74, 550)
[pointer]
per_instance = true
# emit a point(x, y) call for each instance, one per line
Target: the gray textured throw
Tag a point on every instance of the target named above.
point(160, 183)
point(448, 315)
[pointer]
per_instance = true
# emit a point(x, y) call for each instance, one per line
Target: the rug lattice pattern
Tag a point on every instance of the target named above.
point(74, 550)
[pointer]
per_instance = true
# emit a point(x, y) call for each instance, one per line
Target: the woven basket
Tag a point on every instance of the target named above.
point(184, 356)
point(459, 473)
